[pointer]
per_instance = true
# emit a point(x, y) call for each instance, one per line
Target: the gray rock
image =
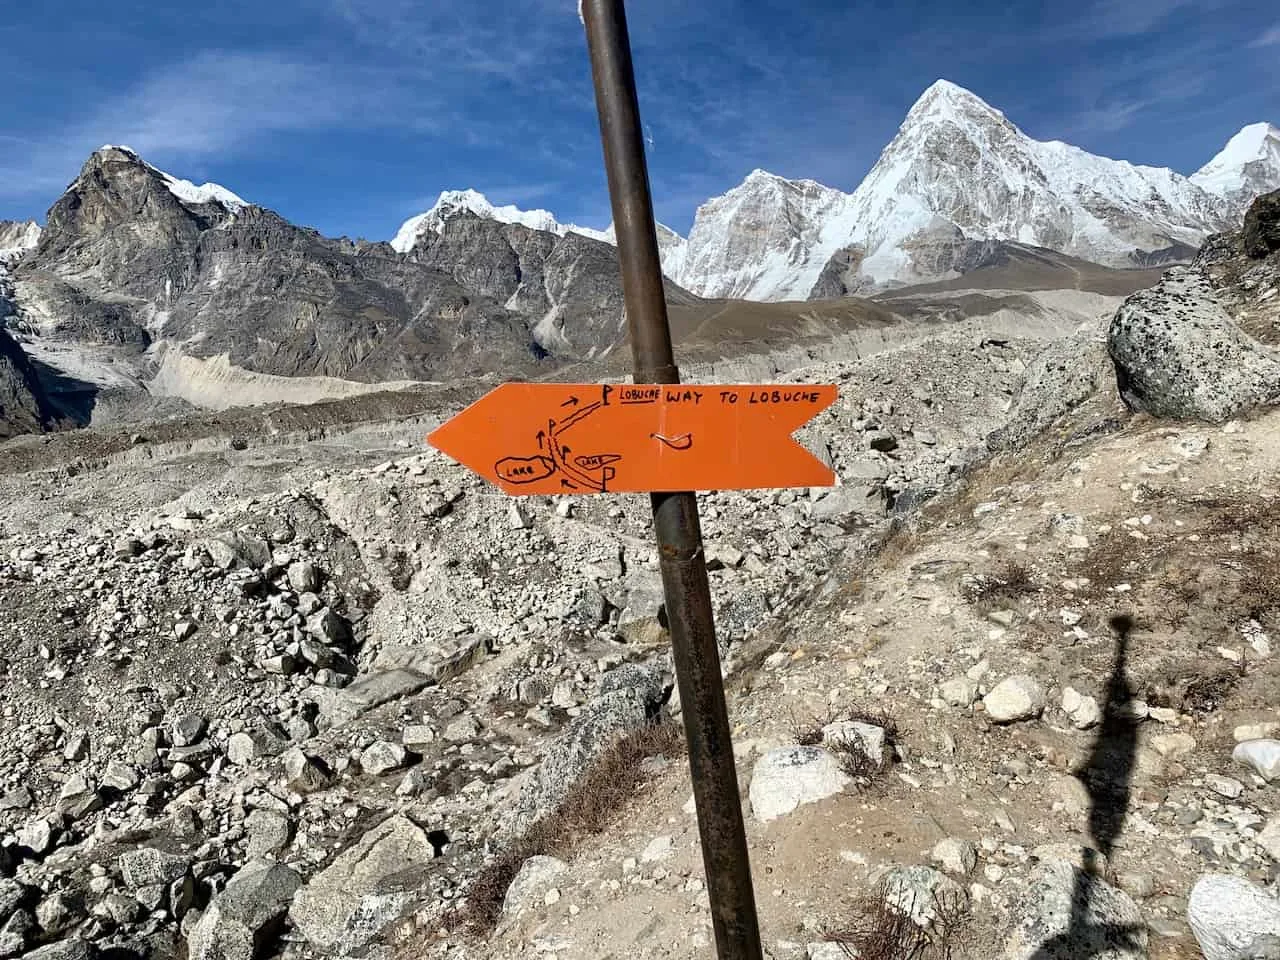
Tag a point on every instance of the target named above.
point(1234, 919)
point(629, 696)
point(147, 866)
point(1064, 375)
point(517, 516)
point(265, 741)
point(329, 628)
point(239, 922)
point(11, 896)
point(1016, 698)
point(302, 773)
point(959, 691)
point(1179, 355)
point(383, 756)
point(1263, 756)
point(536, 876)
point(923, 894)
point(72, 949)
point(852, 499)
point(641, 603)
point(187, 730)
point(1066, 914)
point(16, 932)
point(787, 777)
point(303, 577)
point(269, 834)
point(369, 692)
point(351, 901)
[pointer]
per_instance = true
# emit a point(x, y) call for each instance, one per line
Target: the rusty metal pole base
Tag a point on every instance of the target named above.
point(675, 515)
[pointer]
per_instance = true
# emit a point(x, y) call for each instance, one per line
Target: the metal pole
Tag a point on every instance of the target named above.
point(675, 515)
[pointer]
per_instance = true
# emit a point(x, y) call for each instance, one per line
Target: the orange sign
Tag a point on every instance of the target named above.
point(547, 438)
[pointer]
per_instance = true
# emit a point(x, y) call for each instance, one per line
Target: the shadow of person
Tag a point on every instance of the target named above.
point(1107, 775)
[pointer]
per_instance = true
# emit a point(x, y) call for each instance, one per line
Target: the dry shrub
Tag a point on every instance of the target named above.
point(1008, 583)
point(849, 753)
point(594, 803)
point(879, 930)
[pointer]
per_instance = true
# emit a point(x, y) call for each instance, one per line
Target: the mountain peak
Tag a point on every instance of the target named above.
point(1247, 166)
point(184, 190)
point(944, 98)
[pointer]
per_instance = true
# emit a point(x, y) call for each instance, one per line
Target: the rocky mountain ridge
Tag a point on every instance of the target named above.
point(137, 261)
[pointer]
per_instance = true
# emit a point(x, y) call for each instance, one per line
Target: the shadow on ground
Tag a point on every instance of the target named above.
point(1108, 777)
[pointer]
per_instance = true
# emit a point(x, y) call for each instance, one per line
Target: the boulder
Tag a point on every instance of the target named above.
point(788, 777)
point(1178, 354)
point(536, 876)
point(1234, 919)
point(1262, 756)
point(346, 905)
point(148, 866)
point(628, 697)
point(71, 949)
point(240, 921)
point(1065, 914)
point(1016, 698)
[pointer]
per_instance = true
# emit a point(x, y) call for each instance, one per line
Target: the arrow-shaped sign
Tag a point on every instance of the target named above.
point(546, 438)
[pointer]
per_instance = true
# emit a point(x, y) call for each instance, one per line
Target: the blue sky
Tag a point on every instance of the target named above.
point(351, 115)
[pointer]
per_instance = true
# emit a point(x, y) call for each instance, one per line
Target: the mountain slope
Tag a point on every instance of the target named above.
point(957, 172)
point(131, 256)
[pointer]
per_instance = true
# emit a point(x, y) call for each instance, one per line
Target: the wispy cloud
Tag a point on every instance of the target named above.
point(1270, 38)
point(215, 104)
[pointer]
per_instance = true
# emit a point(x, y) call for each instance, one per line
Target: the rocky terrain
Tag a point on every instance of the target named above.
point(285, 682)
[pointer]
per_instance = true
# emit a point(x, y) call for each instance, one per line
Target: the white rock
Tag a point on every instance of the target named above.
point(1255, 731)
point(517, 517)
point(1083, 711)
point(1262, 755)
point(1174, 746)
point(955, 856)
point(659, 848)
point(959, 691)
point(826, 950)
point(1269, 837)
point(1228, 787)
point(1016, 698)
point(787, 777)
point(535, 878)
point(1234, 919)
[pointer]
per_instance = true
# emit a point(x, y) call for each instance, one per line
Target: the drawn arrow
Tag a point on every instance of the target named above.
point(643, 438)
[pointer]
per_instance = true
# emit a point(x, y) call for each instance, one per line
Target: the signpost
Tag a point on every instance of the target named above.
point(536, 438)
point(655, 436)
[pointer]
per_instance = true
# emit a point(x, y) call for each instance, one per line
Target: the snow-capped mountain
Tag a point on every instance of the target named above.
point(453, 202)
point(185, 190)
point(671, 245)
point(1248, 165)
point(957, 177)
point(957, 172)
